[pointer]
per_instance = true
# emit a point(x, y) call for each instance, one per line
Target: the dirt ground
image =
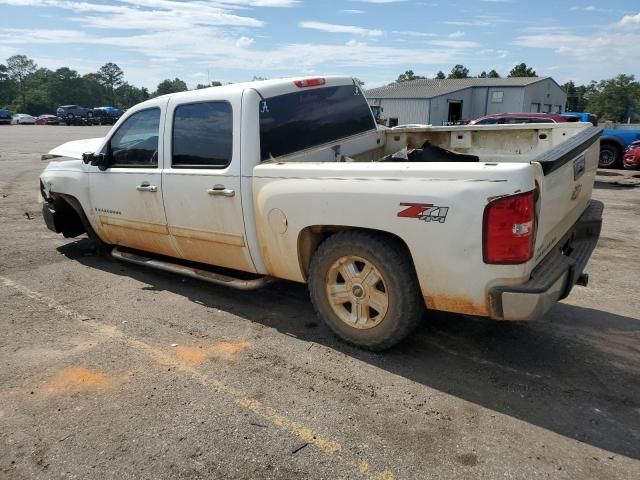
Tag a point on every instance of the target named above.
point(109, 370)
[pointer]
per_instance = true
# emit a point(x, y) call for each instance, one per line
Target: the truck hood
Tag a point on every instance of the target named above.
point(75, 149)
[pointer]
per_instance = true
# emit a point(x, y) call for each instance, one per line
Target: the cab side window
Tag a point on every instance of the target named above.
point(135, 144)
point(202, 135)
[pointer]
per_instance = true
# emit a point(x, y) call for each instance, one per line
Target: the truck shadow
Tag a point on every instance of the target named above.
point(575, 372)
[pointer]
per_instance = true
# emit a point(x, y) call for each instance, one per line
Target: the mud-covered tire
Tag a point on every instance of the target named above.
point(390, 260)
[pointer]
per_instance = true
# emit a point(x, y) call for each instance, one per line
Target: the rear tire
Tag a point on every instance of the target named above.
point(610, 156)
point(364, 287)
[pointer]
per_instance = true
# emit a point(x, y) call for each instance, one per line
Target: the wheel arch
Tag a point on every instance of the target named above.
point(310, 238)
point(72, 204)
point(614, 141)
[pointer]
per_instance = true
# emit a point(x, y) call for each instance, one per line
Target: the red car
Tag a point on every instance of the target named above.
point(517, 118)
point(47, 120)
point(631, 157)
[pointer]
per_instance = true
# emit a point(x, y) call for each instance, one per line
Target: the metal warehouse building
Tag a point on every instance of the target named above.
point(438, 102)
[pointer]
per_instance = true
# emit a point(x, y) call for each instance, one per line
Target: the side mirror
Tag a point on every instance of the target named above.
point(88, 157)
point(100, 160)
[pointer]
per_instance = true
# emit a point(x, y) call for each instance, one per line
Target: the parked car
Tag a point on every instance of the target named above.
point(632, 156)
point(106, 115)
point(47, 119)
point(5, 117)
point(224, 177)
point(70, 112)
point(516, 118)
point(23, 119)
point(613, 143)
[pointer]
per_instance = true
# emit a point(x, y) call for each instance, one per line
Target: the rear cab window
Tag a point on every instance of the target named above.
point(300, 120)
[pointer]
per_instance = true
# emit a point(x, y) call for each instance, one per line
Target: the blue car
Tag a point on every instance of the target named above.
point(106, 115)
point(613, 143)
point(5, 117)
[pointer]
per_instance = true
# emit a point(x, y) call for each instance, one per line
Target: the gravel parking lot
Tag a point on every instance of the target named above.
point(113, 371)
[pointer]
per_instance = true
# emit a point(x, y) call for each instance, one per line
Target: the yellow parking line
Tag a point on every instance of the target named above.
point(278, 420)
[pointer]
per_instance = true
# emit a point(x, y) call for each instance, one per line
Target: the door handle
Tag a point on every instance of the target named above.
point(221, 190)
point(145, 187)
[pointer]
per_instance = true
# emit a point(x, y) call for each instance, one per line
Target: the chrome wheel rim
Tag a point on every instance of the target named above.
point(357, 292)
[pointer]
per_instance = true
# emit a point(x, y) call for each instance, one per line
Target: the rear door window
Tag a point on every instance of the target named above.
point(300, 120)
point(202, 135)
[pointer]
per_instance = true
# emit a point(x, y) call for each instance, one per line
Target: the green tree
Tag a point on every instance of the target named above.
point(111, 76)
point(7, 87)
point(63, 86)
point(578, 95)
point(214, 83)
point(37, 91)
point(459, 71)
point(407, 76)
point(491, 74)
point(171, 86)
point(19, 67)
point(128, 95)
point(440, 75)
point(359, 82)
point(615, 98)
point(92, 92)
point(522, 71)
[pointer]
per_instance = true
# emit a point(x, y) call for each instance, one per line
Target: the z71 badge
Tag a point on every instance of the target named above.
point(424, 211)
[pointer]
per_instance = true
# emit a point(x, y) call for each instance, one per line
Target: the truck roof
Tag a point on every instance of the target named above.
point(266, 88)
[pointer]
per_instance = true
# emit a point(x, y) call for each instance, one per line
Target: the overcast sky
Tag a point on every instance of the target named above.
point(375, 40)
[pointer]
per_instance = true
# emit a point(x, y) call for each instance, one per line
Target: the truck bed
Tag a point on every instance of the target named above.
point(557, 161)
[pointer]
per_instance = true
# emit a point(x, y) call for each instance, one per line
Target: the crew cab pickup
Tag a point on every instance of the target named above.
point(291, 179)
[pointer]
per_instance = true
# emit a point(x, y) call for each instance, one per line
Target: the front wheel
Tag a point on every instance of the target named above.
point(363, 285)
point(610, 156)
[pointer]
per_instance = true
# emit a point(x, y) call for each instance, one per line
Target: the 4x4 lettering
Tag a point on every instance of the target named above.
point(427, 212)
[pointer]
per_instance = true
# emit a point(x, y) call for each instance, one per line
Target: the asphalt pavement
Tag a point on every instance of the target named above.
point(108, 370)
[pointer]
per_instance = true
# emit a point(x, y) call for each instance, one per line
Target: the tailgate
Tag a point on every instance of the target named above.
point(565, 179)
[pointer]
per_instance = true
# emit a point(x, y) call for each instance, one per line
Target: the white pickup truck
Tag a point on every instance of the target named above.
point(292, 179)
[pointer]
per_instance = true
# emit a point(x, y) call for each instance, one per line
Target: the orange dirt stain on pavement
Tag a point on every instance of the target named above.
point(72, 380)
point(192, 355)
point(227, 350)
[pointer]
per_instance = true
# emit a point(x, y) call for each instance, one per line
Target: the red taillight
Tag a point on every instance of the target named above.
point(509, 229)
point(310, 82)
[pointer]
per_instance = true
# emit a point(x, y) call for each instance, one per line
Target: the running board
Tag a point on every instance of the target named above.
point(207, 276)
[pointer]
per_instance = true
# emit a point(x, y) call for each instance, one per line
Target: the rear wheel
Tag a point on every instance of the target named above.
point(610, 156)
point(363, 285)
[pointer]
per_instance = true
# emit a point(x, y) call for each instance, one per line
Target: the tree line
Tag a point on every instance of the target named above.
point(27, 88)
point(460, 71)
point(616, 99)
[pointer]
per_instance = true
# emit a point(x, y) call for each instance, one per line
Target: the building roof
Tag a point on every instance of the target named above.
point(431, 87)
